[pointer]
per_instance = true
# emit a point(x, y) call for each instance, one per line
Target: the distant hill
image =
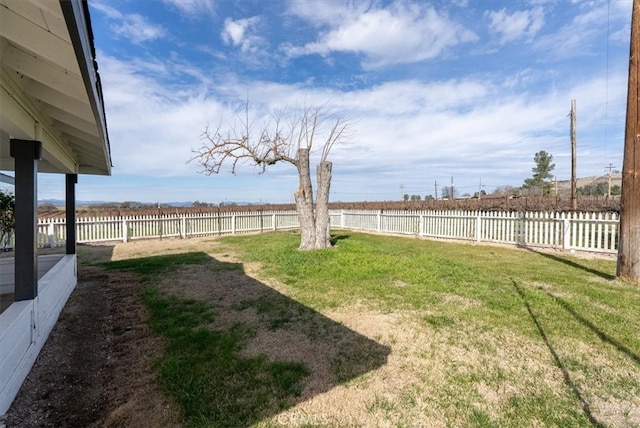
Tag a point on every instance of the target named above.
point(565, 186)
point(59, 203)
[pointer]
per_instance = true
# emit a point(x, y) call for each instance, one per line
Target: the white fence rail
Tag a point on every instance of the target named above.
point(597, 232)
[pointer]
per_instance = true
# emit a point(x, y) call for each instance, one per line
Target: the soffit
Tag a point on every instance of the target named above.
point(50, 89)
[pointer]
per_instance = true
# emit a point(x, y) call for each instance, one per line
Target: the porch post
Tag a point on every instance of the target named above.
point(70, 209)
point(26, 154)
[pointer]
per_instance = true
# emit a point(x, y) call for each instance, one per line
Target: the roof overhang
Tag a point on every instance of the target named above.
point(50, 88)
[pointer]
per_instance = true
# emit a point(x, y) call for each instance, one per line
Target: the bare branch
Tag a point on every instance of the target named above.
point(279, 139)
point(337, 134)
point(239, 146)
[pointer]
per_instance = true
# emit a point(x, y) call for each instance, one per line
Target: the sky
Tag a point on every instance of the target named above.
point(434, 91)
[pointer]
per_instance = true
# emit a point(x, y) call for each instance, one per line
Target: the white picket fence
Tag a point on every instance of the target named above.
point(52, 232)
point(597, 232)
point(584, 231)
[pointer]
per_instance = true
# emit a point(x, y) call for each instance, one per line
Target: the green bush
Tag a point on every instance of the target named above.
point(7, 215)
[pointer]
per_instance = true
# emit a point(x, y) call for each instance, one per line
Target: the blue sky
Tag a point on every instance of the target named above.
point(469, 89)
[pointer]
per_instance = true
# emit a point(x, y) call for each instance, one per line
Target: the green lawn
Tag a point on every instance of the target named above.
point(479, 335)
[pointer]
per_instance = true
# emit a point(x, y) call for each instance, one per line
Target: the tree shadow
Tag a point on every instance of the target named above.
point(240, 351)
point(558, 362)
point(570, 263)
point(336, 238)
point(602, 335)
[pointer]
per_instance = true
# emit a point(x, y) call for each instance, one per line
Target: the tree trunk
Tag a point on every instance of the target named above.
point(629, 245)
point(323, 233)
point(304, 202)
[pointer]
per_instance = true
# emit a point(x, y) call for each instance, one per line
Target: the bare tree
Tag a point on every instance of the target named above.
point(288, 139)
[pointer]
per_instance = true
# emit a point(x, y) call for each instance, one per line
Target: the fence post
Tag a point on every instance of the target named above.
point(233, 224)
point(522, 229)
point(125, 230)
point(478, 227)
point(379, 221)
point(273, 222)
point(420, 225)
point(341, 219)
point(566, 227)
point(50, 232)
point(183, 227)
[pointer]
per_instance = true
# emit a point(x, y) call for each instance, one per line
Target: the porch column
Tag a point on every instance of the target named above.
point(70, 208)
point(26, 154)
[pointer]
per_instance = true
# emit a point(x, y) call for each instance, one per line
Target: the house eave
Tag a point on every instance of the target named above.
point(76, 13)
point(51, 89)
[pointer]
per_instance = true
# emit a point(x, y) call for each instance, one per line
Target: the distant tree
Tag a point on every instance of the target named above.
point(405, 197)
point(415, 197)
point(601, 189)
point(448, 192)
point(616, 190)
point(541, 172)
point(593, 189)
point(7, 216)
point(429, 198)
point(198, 204)
point(505, 191)
point(480, 193)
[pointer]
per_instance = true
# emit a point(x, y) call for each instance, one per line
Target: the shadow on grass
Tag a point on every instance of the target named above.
point(565, 374)
point(238, 351)
point(602, 335)
point(336, 238)
point(570, 263)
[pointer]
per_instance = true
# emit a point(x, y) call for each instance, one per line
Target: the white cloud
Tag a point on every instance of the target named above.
point(516, 25)
point(152, 125)
point(237, 33)
point(192, 8)
point(399, 34)
point(583, 35)
point(330, 12)
point(451, 126)
point(134, 27)
point(109, 11)
point(137, 29)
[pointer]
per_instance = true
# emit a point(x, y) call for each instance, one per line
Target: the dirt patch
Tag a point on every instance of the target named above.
point(96, 367)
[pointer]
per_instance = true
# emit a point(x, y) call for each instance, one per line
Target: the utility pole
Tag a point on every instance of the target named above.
point(436, 185)
point(453, 194)
point(480, 190)
point(629, 244)
point(574, 200)
point(610, 168)
point(401, 192)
